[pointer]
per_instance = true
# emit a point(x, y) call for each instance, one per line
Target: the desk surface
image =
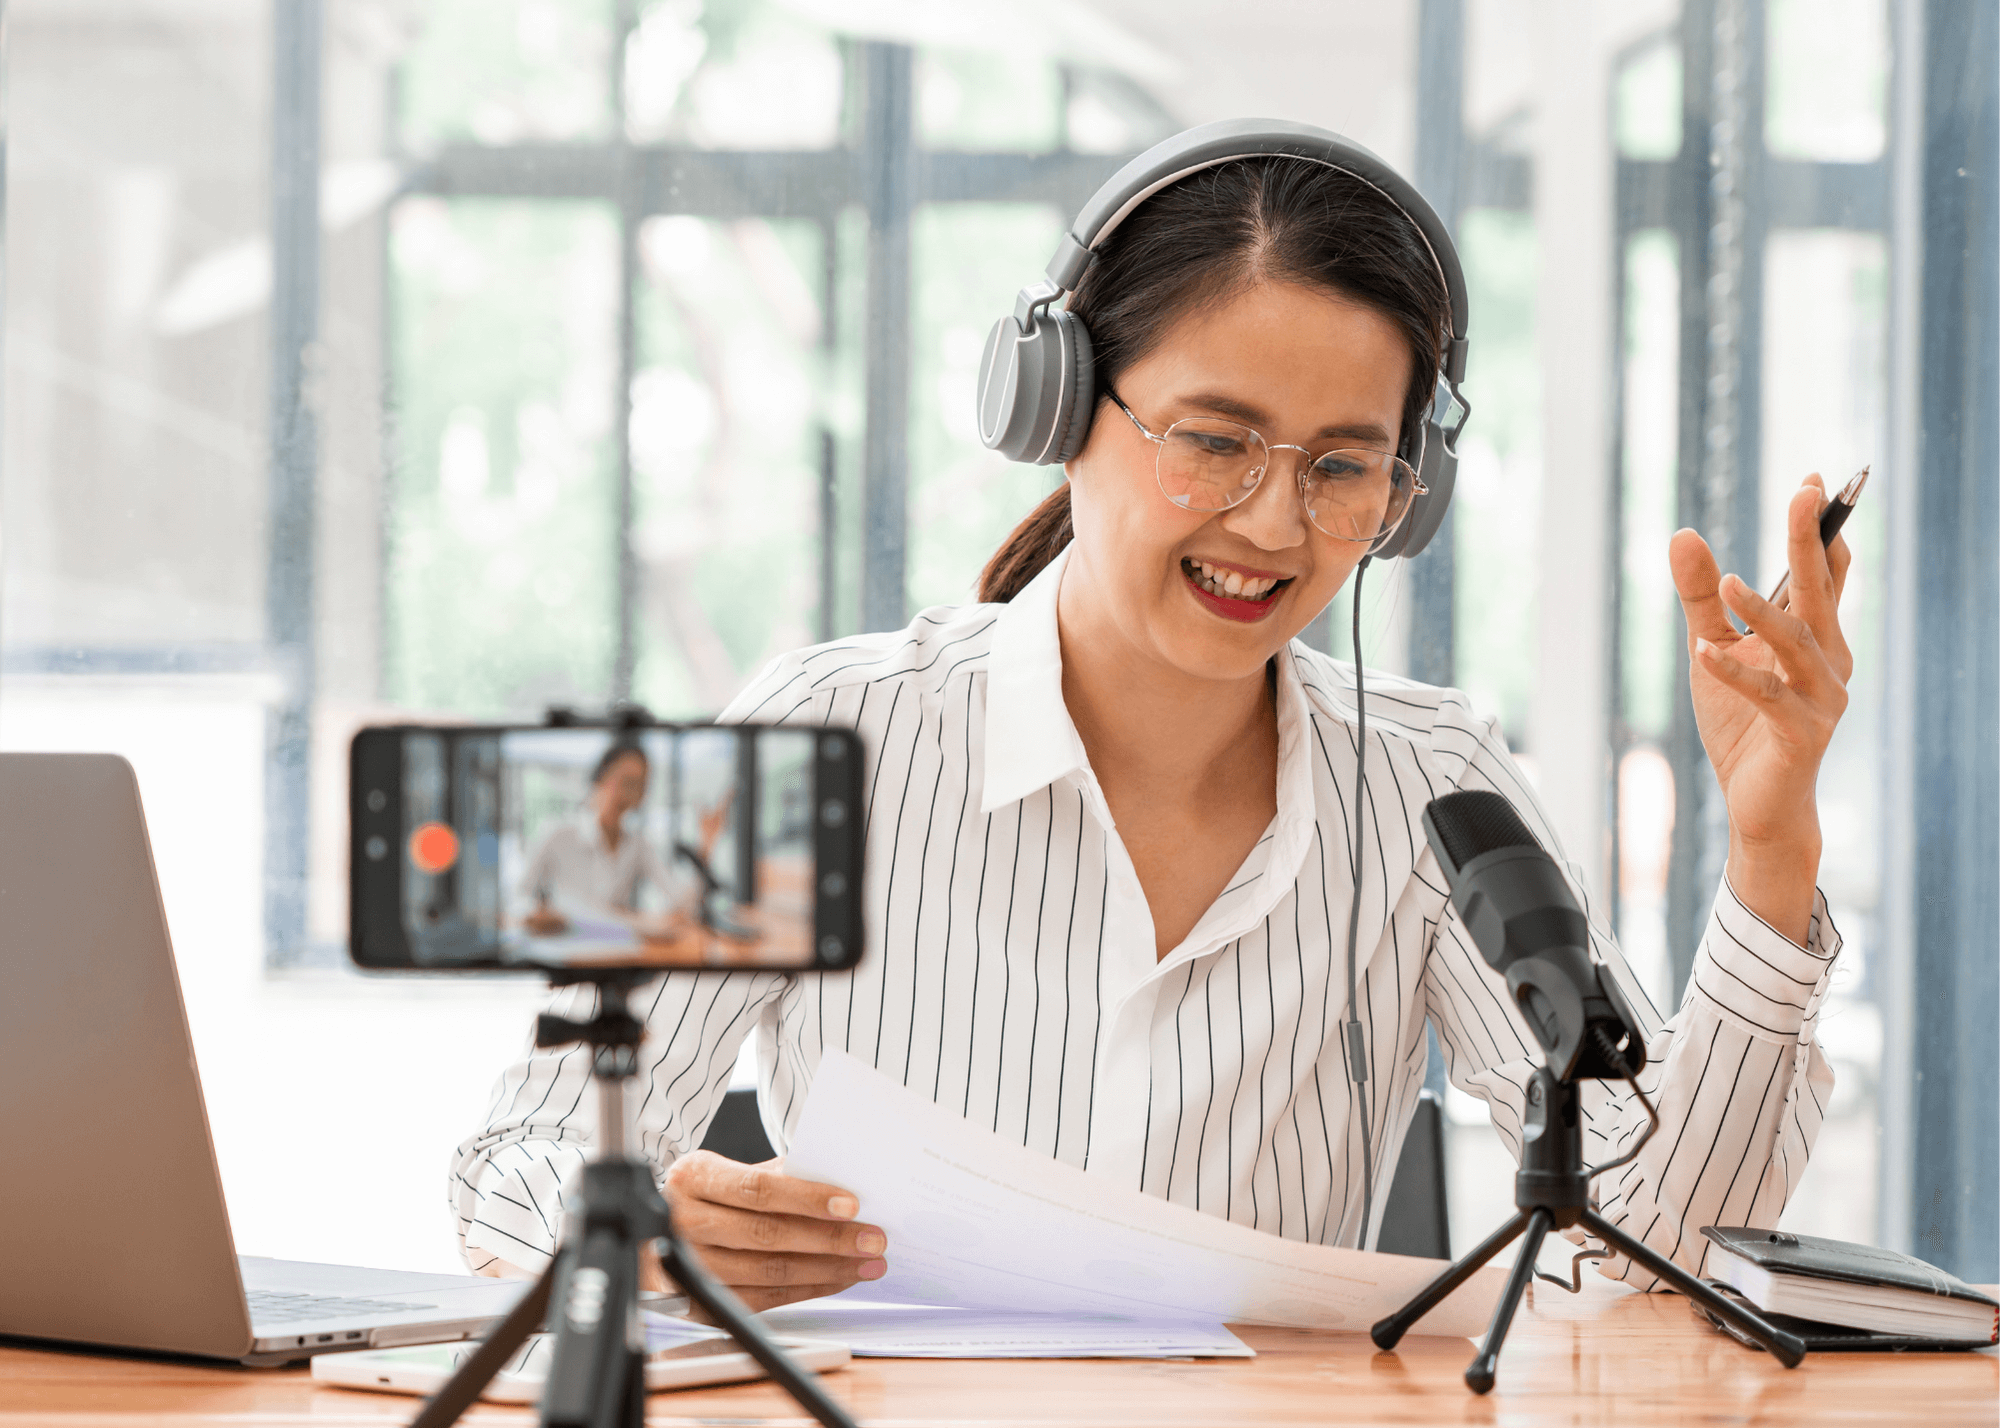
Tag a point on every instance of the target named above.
point(1607, 1356)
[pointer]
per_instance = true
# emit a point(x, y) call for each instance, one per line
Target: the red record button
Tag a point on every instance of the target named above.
point(433, 847)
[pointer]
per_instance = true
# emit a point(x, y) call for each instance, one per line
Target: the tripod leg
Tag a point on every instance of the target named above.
point(728, 1312)
point(1388, 1332)
point(634, 1411)
point(444, 1407)
point(1479, 1376)
point(1787, 1349)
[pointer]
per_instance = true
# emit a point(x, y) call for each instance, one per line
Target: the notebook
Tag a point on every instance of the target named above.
point(1832, 1282)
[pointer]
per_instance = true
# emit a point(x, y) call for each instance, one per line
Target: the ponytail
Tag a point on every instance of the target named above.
point(1026, 553)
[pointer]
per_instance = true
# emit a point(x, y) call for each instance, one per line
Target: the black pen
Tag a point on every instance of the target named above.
point(1830, 521)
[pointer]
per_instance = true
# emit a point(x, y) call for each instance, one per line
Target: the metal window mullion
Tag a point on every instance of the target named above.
point(829, 447)
point(887, 172)
point(1689, 208)
point(1954, 795)
point(627, 181)
point(1440, 169)
point(296, 32)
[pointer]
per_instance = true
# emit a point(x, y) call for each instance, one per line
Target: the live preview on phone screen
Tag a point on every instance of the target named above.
point(708, 846)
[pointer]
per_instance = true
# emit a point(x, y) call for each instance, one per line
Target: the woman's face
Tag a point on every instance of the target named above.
point(622, 787)
point(1302, 367)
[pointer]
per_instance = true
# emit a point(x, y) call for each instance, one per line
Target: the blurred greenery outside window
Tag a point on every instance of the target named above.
point(747, 365)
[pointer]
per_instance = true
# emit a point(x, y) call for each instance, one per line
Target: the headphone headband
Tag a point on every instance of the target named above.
point(1036, 396)
point(1227, 140)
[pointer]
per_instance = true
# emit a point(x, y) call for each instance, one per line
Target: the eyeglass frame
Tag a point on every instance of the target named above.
point(1159, 439)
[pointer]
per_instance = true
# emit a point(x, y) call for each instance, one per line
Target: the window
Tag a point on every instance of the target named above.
point(467, 357)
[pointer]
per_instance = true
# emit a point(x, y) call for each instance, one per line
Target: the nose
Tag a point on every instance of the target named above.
point(1274, 518)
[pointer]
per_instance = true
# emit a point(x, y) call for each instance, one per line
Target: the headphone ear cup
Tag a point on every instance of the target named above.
point(1081, 407)
point(1439, 473)
point(1027, 387)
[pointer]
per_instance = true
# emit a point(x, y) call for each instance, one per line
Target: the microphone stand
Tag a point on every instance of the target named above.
point(597, 1372)
point(1552, 1192)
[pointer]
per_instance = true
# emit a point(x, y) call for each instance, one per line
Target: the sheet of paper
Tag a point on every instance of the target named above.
point(665, 1331)
point(917, 1331)
point(978, 1222)
point(926, 1331)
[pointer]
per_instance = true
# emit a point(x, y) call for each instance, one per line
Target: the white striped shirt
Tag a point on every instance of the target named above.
point(1010, 970)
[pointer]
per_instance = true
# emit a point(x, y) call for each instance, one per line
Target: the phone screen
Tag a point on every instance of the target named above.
point(483, 847)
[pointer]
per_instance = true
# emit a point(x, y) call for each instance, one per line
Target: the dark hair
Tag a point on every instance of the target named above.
point(1205, 238)
point(618, 750)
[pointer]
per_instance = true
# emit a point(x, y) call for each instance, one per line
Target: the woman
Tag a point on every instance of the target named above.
point(1110, 871)
point(595, 866)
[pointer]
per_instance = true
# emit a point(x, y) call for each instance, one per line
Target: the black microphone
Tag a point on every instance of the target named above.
point(1527, 925)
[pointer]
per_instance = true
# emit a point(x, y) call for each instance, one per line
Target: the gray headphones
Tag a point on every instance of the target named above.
point(1037, 395)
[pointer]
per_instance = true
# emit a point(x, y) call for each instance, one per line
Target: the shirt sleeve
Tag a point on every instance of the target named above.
point(1736, 1073)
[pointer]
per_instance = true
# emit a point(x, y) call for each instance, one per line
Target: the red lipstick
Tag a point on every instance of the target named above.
point(1246, 612)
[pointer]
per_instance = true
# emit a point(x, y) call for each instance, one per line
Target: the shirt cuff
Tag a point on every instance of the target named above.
point(1758, 977)
point(515, 1213)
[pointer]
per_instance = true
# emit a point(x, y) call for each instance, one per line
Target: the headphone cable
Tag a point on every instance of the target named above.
point(1357, 1058)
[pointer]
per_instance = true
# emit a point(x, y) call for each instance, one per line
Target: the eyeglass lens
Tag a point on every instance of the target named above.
point(1209, 465)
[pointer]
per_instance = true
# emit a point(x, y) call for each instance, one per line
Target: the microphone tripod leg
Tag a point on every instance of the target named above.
point(1787, 1349)
point(1388, 1332)
point(444, 1407)
point(1479, 1376)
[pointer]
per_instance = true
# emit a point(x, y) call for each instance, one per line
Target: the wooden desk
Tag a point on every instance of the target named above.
point(1607, 1356)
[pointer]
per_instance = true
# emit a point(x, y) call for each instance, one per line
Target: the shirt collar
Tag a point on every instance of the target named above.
point(1030, 740)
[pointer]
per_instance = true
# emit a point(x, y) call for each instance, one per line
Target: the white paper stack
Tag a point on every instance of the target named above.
point(979, 1223)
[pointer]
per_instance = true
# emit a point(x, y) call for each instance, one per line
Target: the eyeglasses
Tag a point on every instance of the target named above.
point(1206, 464)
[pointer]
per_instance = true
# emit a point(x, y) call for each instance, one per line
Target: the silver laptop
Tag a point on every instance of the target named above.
point(115, 1231)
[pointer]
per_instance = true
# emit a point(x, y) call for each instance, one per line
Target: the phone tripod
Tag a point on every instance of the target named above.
point(1552, 1192)
point(597, 1372)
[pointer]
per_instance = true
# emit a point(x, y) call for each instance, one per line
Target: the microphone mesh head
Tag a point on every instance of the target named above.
point(1477, 821)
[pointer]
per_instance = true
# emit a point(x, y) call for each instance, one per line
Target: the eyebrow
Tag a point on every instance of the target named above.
point(1254, 416)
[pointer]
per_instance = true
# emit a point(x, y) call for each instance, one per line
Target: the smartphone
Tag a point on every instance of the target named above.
point(423, 1369)
point(488, 847)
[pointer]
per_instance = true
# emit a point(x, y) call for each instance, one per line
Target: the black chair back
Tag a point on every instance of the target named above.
point(1414, 1220)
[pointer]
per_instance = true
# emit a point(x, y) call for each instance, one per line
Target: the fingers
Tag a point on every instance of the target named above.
point(758, 1300)
point(1809, 669)
point(1839, 556)
point(1761, 686)
point(1815, 588)
point(1697, 579)
point(772, 1238)
point(722, 1225)
point(1805, 557)
point(765, 1188)
point(740, 1268)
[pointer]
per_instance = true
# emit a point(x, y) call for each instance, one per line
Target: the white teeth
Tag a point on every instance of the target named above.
point(1229, 583)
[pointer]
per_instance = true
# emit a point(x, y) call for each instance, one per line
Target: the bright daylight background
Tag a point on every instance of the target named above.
point(466, 357)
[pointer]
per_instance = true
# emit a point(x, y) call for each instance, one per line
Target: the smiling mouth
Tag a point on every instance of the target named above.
point(1249, 591)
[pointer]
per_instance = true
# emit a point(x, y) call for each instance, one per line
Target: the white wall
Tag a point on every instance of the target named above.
point(334, 1099)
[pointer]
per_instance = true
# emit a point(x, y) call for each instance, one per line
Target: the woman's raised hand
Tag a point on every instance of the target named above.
point(1767, 703)
point(772, 1238)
